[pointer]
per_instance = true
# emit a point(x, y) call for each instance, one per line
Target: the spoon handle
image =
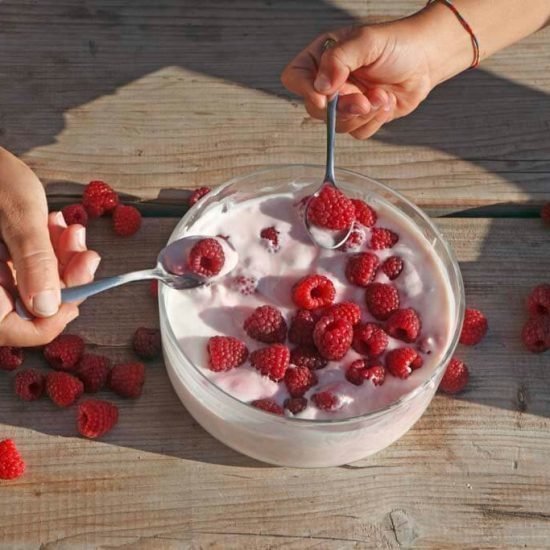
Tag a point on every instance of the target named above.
point(331, 136)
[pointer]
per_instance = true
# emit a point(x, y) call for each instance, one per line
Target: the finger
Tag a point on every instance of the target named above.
point(6, 302)
point(379, 99)
point(4, 252)
point(56, 226)
point(372, 126)
point(81, 268)
point(6, 277)
point(71, 241)
point(353, 105)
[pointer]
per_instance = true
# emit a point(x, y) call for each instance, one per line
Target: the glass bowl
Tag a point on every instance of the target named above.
point(299, 442)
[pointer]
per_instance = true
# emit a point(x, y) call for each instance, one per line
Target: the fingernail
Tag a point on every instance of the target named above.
point(376, 104)
point(46, 303)
point(354, 109)
point(60, 219)
point(93, 264)
point(80, 238)
point(322, 83)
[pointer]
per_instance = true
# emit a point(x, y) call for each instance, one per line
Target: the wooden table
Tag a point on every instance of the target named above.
point(159, 97)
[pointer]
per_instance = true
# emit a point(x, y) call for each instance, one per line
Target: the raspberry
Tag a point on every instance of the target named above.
point(271, 361)
point(364, 214)
point(307, 356)
point(358, 372)
point(206, 258)
point(96, 417)
point(268, 405)
point(93, 370)
point(246, 285)
point(356, 239)
point(538, 301)
point(326, 401)
point(270, 236)
point(381, 299)
point(333, 337)
point(75, 213)
point(12, 465)
point(545, 213)
point(345, 310)
point(369, 339)
point(455, 378)
point(10, 358)
point(301, 328)
point(154, 288)
point(299, 380)
point(536, 334)
point(266, 325)
point(402, 361)
point(146, 343)
point(29, 384)
point(376, 374)
point(295, 404)
point(404, 324)
point(126, 220)
point(127, 379)
point(382, 238)
point(361, 268)
point(313, 291)
point(226, 353)
point(474, 327)
point(197, 195)
point(331, 209)
point(63, 388)
point(393, 267)
point(98, 199)
point(64, 352)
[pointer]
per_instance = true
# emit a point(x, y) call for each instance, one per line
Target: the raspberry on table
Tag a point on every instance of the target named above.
point(75, 213)
point(382, 238)
point(364, 214)
point(206, 258)
point(99, 198)
point(333, 337)
point(369, 339)
point(331, 209)
point(64, 352)
point(266, 324)
point(301, 328)
point(10, 357)
point(307, 356)
point(361, 268)
point(12, 464)
point(245, 284)
point(63, 388)
point(126, 220)
point(93, 370)
point(538, 301)
point(345, 310)
point(545, 213)
point(326, 401)
point(268, 405)
point(146, 343)
point(295, 404)
point(313, 291)
point(381, 299)
point(356, 239)
point(270, 236)
point(474, 327)
point(271, 361)
point(96, 417)
point(404, 325)
point(299, 380)
point(198, 194)
point(127, 379)
point(402, 361)
point(29, 384)
point(392, 267)
point(535, 334)
point(455, 378)
point(226, 353)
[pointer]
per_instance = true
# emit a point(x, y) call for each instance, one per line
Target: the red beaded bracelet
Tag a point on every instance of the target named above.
point(466, 26)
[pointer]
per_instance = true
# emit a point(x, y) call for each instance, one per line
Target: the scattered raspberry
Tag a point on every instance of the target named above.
point(345, 310)
point(96, 417)
point(127, 379)
point(296, 404)
point(455, 378)
point(126, 220)
point(75, 213)
point(356, 239)
point(12, 465)
point(313, 291)
point(404, 324)
point(393, 267)
point(326, 401)
point(226, 353)
point(301, 328)
point(266, 325)
point(299, 380)
point(538, 301)
point(63, 388)
point(381, 299)
point(331, 209)
point(369, 339)
point(382, 238)
point(206, 258)
point(29, 384)
point(359, 371)
point(402, 361)
point(307, 356)
point(545, 213)
point(270, 236)
point(361, 268)
point(10, 358)
point(333, 337)
point(364, 214)
point(64, 352)
point(146, 343)
point(246, 285)
point(93, 370)
point(198, 194)
point(536, 334)
point(268, 405)
point(154, 288)
point(474, 327)
point(99, 198)
point(271, 361)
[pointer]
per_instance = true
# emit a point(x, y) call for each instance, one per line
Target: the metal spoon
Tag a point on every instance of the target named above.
point(171, 269)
